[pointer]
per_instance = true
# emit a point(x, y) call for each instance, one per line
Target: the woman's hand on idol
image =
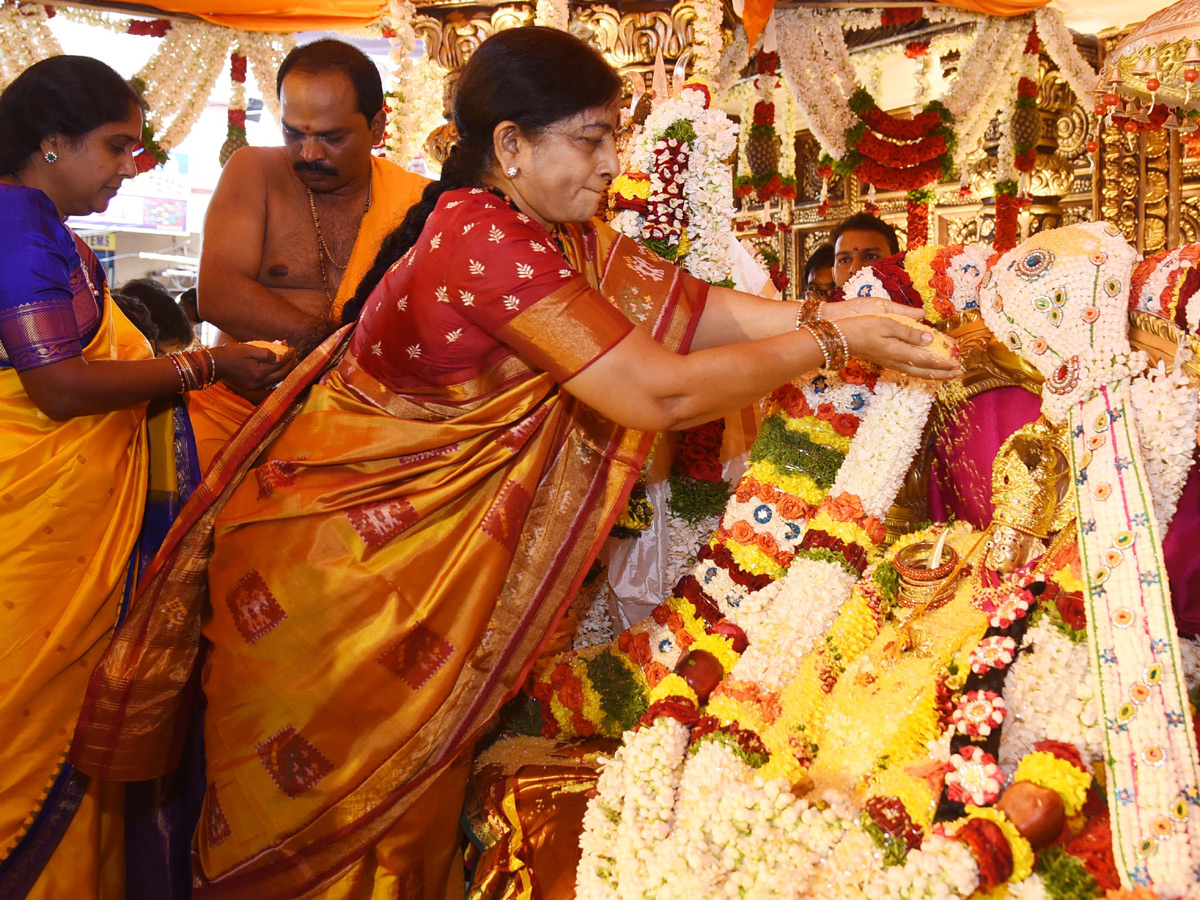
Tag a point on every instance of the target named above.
point(253, 366)
point(898, 342)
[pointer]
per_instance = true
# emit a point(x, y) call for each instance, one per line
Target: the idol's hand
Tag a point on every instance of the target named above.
point(867, 306)
point(893, 343)
point(249, 368)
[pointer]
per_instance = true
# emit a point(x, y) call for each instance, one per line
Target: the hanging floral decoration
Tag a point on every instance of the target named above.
point(1008, 205)
point(895, 154)
point(675, 197)
point(770, 259)
point(236, 115)
point(918, 203)
point(763, 143)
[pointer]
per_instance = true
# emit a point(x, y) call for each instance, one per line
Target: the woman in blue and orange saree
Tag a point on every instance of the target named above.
point(378, 556)
point(85, 494)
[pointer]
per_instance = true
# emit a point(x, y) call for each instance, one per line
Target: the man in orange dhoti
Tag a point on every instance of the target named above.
point(387, 543)
point(292, 230)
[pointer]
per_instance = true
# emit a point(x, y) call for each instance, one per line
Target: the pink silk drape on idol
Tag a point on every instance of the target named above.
point(412, 528)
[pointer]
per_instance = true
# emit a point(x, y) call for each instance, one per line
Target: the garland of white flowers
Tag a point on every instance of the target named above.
point(812, 51)
point(788, 617)
point(1050, 696)
point(706, 37)
point(1168, 412)
point(1061, 299)
point(1150, 748)
point(707, 187)
point(1060, 47)
point(733, 59)
point(24, 39)
point(264, 54)
point(180, 76)
point(415, 97)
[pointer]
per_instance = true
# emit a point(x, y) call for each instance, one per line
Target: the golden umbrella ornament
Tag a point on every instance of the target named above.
point(1152, 78)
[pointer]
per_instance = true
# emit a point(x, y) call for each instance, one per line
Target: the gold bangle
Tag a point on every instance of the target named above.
point(821, 339)
point(173, 357)
point(212, 364)
point(842, 354)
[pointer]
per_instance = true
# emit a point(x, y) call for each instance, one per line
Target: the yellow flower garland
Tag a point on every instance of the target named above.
point(797, 484)
point(818, 431)
point(915, 793)
point(754, 561)
point(1048, 771)
point(919, 265)
point(719, 646)
point(1022, 852)
point(673, 686)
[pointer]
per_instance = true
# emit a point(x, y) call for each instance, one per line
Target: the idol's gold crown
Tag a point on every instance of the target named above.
point(1026, 479)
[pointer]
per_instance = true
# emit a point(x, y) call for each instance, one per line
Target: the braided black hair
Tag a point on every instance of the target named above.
point(532, 76)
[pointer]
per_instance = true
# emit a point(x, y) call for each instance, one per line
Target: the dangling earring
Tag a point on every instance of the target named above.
point(51, 156)
point(511, 171)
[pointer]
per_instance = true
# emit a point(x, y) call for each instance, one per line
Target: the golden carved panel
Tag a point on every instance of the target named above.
point(633, 39)
point(450, 41)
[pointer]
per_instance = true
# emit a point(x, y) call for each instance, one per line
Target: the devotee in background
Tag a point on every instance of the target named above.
point(291, 230)
point(415, 508)
point(174, 331)
point(75, 463)
point(818, 273)
point(859, 241)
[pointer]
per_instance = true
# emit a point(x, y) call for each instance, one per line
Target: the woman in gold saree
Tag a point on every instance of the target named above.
point(78, 485)
point(396, 531)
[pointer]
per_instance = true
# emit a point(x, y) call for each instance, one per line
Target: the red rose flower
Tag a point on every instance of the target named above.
point(543, 694)
point(678, 708)
point(826, 411)
point(571, 694)
point(639, 652)
point(853, 373)
point(845, 424)
point(1071, 608)
point(560, 675)
point(582, 726)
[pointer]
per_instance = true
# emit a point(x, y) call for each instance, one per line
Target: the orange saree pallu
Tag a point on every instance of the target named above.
point(72, 496)
point(388, 560)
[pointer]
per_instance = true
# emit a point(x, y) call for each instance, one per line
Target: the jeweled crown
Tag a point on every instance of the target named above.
point(1025, 479)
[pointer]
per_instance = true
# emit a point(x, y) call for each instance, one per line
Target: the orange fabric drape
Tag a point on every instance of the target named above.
point(314, 15)
point(256, 15)
point(999, 7)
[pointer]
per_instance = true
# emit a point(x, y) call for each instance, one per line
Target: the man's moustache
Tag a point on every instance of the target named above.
point(314, 168)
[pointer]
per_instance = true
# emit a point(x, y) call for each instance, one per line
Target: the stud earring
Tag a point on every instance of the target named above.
point(51, 156)
point(511, 171)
